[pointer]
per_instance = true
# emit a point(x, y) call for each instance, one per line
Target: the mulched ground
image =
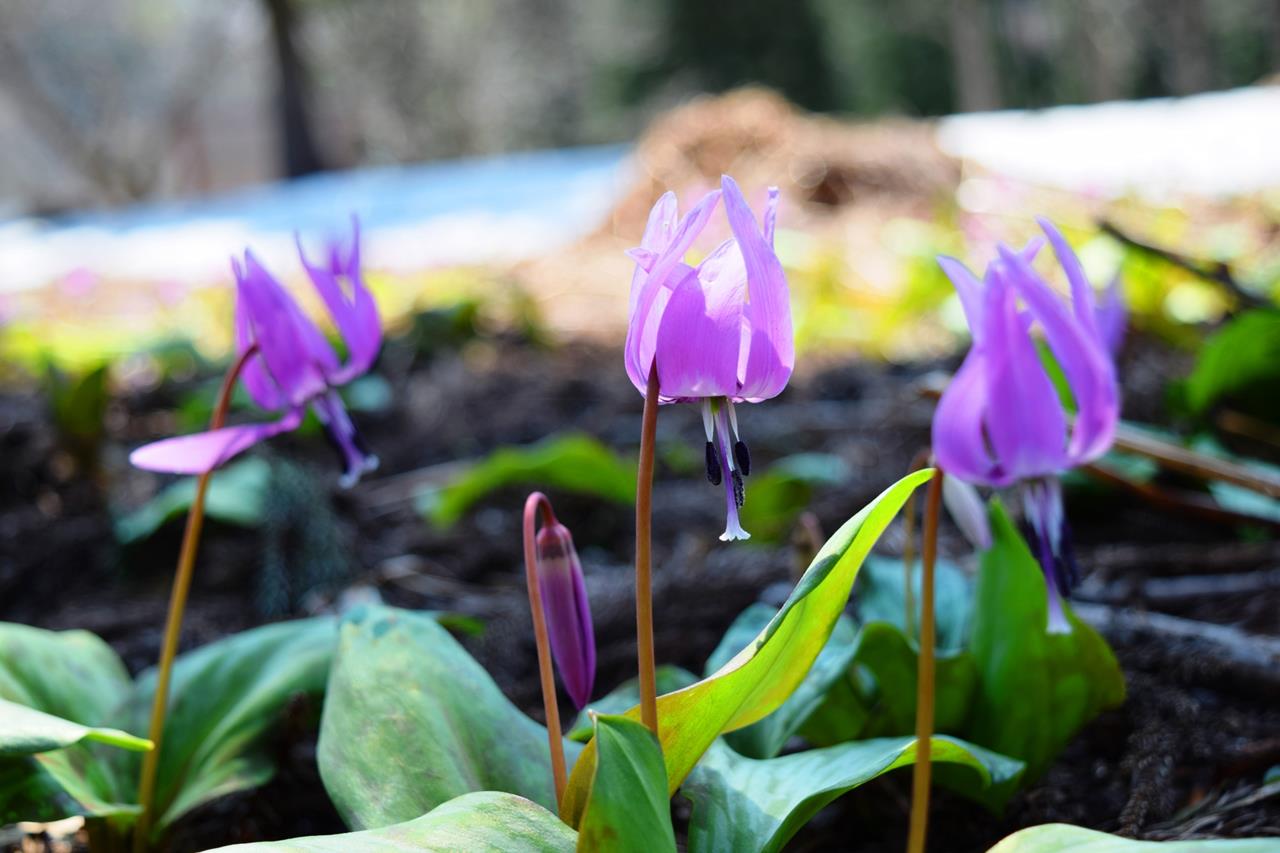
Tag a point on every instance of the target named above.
point(1197, 728)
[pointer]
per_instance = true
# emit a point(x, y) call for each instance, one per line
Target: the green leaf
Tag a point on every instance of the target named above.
point(226, 700)
point(412, 721)
point(760, 678)
point(779, 493)
point(626, 695)
point(1240, 363)
point(879, 596)
point(26, 731)
point(237, 495)
point(744, 805)
point(1035, 689)
point(628, 809)
point(75, 677)
point(891, 661)
point(483, 822)
point(766, 738)
point(574, 463)
point(1065, 838)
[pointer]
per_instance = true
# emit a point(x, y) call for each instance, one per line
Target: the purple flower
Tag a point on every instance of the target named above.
point(292, 367)
point(1000, 422)
point(568, 614)
point(719, 333)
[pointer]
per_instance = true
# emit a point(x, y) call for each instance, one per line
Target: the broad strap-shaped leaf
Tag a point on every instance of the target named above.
point(411, 721)
point(70, 674)
point(26, 731)
point(75, 677)
point(482, 822)
point(628, 809)
point(765, 739)
point(880, 596)
point(743, 805)
point(226, 700)
point(1035, 689)
point(1065, 838)
point(756, 681)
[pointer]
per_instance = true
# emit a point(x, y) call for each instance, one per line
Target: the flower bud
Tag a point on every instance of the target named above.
point(568, 614)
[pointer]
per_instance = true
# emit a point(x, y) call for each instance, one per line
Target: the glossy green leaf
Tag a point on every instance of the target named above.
point(26, 731)
point(226, 700)
point(765, 739)
point(743, 805)
point(483, 822)
point(1065, 838)
point(1035, 689)
point(412, 721)
point(575, 463)
point(626, 695)
point(760, 678)
point(237, 495)
point(628, 809)
point(46, 787)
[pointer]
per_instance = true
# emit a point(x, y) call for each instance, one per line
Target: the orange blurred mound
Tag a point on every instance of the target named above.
point(844, 179)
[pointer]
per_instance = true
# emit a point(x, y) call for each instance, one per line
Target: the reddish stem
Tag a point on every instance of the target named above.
point(555, 738)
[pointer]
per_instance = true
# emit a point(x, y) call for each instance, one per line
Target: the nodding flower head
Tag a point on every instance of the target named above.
point(718, 333)
point(568, 614)
point(290, 364)
point(1000, 422)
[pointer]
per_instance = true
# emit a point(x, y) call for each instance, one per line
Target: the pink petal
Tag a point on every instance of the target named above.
point(1087, 366)
point(1025, 422)
point(969, 289)
point(205, 451)
point(294, 352)
point(658, 232)
point(356, 314)
point(771, 348)
point(958, 433)
point(700, 337)
point(1081, 290)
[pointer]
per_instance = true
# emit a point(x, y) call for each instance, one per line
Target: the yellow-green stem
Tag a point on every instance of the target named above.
point(173, 622)
point(922, 770)
point(644, 583)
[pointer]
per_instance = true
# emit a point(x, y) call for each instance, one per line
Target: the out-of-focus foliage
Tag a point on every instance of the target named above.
point(575, 463)
point(79, 403)
point(236, 495)
point(1240, 366)
point(779, 493)
point(1065, 838)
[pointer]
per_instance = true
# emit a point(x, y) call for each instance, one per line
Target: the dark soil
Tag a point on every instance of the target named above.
point(1183, 738)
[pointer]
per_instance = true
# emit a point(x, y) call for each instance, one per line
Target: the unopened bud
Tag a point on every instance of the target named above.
point(568, 614)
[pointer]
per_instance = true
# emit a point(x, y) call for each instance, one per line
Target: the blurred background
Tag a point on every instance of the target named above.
point(500, 157)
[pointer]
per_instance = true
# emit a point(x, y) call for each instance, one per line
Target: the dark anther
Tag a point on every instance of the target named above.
point(739, 493)
point(744, 458)
point(713, 465)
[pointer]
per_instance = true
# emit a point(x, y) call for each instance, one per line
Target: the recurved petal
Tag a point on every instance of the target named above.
point(969, 289)
point(294, 352)
point(770, 353)
point(658, 232)
point(1080, 352)
point(205, 451)
point(958, 436)
point(1081, 290)
point(257, 381)
point(1112, 317)
point(1025, 421)
point(352, 307)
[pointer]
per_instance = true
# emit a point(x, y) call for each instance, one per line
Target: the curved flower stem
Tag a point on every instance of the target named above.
point(925, 673)
point(644, 585)
point(173, 622)
point(555, 738)
point(909, 546)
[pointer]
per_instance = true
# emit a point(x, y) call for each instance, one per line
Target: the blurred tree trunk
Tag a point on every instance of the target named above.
point(1189, 66)
point(973, 57)
point(298, 147)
